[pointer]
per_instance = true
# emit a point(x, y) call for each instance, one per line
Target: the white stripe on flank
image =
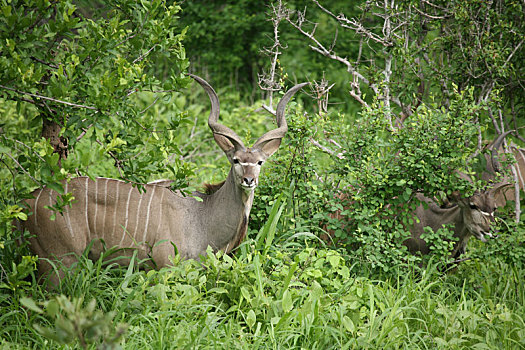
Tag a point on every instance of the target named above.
point(50, 198)
point(126, 220)
point(87, 216)
point(160, 218)
point(67, 218)
point(96, 210)
point(51, 204)
point(105, 209)
point(117, 200)
point(36, 207)
point(134, 233)
point(147, 214)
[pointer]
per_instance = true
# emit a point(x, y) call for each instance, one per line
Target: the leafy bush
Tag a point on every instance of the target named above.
point(384, 168)
point(80, 92)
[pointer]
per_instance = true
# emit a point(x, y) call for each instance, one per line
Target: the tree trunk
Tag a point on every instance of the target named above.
point(51, 131)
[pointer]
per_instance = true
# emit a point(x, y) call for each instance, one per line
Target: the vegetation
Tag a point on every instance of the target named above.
point(402, 95)
point(281, 296)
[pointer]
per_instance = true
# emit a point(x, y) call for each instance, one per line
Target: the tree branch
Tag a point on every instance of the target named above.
point(48, 98)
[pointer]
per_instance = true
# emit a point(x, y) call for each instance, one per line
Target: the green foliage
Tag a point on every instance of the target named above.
point(87, 74)
point(385, 168)
point(440, 243)
point(81, 90)
point(225, 38)
point(15, 280)
point(509, 244)
point(287, 298)
point(75, 322)
point(109, 76)
point(294, 171)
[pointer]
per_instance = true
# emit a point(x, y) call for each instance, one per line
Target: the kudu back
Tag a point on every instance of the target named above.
point(116, 213)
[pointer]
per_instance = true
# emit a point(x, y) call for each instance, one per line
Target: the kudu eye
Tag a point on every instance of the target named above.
point(473, 206)
point(260, 162)
point(235, 161)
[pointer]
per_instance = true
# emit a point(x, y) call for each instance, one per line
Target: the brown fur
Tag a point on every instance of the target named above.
point(212, 188)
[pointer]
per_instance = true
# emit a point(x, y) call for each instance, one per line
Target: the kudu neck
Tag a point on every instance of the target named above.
point(232, 193)
point(227, 211)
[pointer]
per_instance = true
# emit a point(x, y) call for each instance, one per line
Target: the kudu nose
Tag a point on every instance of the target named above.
point(249, 181)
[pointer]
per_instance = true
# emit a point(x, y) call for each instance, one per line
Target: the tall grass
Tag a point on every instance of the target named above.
point(305, 298)
point(275, 293)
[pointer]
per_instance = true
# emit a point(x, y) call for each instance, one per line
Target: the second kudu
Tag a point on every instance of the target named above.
point(118, 214)
point(470, 217)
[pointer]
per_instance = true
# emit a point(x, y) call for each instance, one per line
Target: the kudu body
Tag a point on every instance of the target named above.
point(116, 213)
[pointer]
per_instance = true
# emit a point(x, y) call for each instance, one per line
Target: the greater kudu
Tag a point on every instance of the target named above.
point(471, 216)
point(118, 214)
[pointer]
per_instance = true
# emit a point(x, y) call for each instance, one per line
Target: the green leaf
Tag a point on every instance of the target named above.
point(246, 294)
point(287, 302)
point(31, 305)
point(334, 260)
point(250, 318)
point(348, 324)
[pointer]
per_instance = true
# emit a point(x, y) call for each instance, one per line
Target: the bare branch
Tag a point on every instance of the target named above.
point(269, 109)
point(512, 54)
point(326, 149)
point(321, 90)
point(151, 105)
point(48, 98)
point(23, 169)
point(44, 63)
point(356, 26)
point(268, 81)
point(141, 57)
point(83, 133)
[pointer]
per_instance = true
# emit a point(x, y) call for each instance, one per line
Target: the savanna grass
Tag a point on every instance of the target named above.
point(302, 298)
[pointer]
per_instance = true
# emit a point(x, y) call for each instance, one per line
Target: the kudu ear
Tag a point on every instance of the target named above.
point(270, 142)
point(270, 147)
point(227, 144)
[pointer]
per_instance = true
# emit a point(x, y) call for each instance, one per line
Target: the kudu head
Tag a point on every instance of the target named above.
point(478, 210)
point(246, 162)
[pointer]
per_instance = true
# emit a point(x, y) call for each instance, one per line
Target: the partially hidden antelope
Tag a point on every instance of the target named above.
point(469, 217)
point(114, 213)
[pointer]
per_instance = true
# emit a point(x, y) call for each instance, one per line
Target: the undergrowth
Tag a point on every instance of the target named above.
point(271, 298)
